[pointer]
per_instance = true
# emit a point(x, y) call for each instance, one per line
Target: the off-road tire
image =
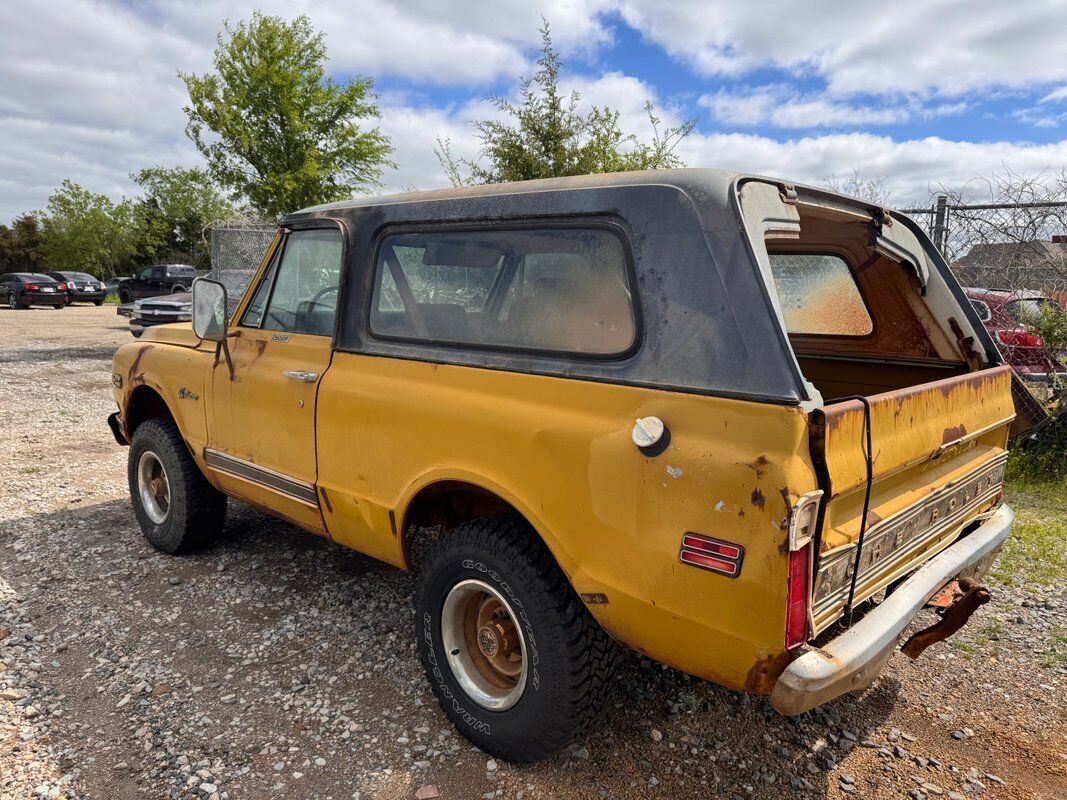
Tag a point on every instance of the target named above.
point(197, 509)
point(570, 658)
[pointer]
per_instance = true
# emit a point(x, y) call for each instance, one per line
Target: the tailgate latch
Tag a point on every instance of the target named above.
point(955, 603)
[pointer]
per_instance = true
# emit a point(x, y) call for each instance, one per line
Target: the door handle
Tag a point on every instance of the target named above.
point(299, 375)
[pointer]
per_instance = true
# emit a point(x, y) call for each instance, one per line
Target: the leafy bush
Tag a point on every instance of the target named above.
point(1040, 456)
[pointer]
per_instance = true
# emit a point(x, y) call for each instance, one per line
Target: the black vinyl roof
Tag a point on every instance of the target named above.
point(708, 323)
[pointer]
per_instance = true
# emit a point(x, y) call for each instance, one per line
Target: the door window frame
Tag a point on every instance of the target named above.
point(276, 255)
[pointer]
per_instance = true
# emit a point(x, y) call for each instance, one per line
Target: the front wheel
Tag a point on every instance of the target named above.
point(125, 296)
point(176, 507)
point(514, 658)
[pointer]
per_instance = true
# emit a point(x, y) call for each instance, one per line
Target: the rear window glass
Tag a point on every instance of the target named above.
point(819, 296)
point(552, 289)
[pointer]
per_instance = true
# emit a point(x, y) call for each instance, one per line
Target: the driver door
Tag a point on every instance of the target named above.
point(261, 421)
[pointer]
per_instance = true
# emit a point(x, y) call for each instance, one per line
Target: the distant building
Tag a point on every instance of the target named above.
point(1036, 265)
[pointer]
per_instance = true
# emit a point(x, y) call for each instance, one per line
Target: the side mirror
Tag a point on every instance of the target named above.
point(209, 309)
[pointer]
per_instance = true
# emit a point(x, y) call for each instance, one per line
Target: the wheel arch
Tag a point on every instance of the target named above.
point(143, 403)
point(445, 501)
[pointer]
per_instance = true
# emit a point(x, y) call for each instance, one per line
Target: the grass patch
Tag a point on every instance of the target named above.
point(1036, 552)
point(30, 470)
point(1056, 656)
point(112, 300)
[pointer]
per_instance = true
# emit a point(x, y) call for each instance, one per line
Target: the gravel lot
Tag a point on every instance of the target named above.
point(276, 664)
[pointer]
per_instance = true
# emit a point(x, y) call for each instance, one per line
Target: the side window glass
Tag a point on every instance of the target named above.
point(253, 316)
point(549, 289)
point(159, 273)
point(146, 274)
point(304, 299)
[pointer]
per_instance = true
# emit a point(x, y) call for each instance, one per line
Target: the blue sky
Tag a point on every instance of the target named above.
point(922, 94)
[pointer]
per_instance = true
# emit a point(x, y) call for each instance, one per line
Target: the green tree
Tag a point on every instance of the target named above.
point(87, 232)
point(273, 128)
point(176, 205)
point(20, 246)
point(545, 135)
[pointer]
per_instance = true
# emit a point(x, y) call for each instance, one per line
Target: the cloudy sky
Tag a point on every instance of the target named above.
point(922, 92)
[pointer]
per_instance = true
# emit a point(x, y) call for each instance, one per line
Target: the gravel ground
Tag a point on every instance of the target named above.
point(276, 664)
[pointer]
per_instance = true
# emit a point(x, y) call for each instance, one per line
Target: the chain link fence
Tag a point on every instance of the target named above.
point(237, 248)
point(1012, 259)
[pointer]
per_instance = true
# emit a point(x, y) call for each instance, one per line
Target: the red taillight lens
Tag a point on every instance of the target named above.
point(712, 554)
point(796, 618)
point(62, 287)
point(1017, 338)
point(31, 287)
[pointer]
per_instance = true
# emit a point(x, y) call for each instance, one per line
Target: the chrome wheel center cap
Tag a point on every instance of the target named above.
point(488, 642)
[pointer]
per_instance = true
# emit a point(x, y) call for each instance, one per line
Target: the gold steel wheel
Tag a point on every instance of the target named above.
point(485, 644)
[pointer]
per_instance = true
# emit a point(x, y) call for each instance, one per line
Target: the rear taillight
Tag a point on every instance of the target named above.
point(62, 287)
point(1017, 338)
point(31, 287)
point(802, 523)
point(796, 619)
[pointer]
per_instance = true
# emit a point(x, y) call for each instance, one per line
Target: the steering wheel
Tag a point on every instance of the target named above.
point(314, 301)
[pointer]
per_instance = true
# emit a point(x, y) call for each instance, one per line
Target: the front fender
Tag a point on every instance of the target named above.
point(176, 374)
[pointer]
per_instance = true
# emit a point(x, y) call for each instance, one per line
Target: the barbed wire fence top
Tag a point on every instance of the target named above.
point(237, 248)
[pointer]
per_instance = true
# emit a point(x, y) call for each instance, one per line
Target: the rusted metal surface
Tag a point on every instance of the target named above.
point(955, 616)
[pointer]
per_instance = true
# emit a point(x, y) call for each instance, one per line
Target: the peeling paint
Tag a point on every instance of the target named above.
point(674, 472)
point(720, 506)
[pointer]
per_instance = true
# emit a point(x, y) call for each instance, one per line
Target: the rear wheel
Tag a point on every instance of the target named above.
point(98, 302)
point(517, 663)
point(178, 290)
point(14, 302)
point(177, 509)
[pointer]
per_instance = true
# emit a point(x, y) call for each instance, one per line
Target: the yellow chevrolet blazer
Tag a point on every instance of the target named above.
point(748, 429)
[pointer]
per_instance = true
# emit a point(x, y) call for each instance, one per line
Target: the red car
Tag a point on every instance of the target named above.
point(1003, 311)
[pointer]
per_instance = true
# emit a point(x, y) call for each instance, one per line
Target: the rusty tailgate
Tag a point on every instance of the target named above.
point(939, 445)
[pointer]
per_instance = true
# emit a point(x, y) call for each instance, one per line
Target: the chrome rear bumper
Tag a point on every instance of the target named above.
point(853, 660)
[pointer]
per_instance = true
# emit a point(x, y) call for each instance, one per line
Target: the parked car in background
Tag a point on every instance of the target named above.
point(25, 289)
point(159, 311)
point(156, 280)
point(81, 287)
point(1004, 312)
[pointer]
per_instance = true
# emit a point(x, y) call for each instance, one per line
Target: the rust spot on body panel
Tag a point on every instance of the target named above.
point(953, 433)
point(758, 500)
point(764, 673)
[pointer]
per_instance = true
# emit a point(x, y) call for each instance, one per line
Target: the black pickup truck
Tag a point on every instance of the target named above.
point(156, 280)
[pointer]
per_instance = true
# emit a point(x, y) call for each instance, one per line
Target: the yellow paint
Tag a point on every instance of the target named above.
point(560, 452)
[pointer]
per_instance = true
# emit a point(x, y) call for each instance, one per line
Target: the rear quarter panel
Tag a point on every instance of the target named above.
point(560, 452)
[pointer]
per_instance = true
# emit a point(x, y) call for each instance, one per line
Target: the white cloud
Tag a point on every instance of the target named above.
point(782, 107)
point(911, 168)
point(902, 47)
